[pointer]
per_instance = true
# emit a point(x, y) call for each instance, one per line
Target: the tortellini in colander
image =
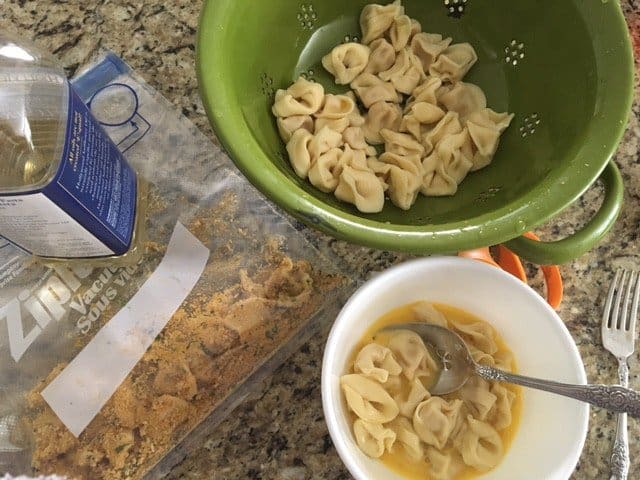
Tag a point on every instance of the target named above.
point(392, 411)
point(403, 81)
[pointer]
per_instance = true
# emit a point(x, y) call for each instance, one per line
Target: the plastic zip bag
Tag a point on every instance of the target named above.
point(105, 369)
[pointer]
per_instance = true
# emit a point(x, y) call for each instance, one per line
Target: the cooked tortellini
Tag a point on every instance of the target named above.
point(442, 466)
point(464, 99)
point(288, 125)
point(368, 399)
point(301, 98)
point(335, 107)
point(480, 446)
point(336, 124)
point(376, 362)
point(420, 119)
point(426, 92)
point(447, 165)
point(454, 62)
point(406, 83)
point(394, 417)
point(403, 178)
point(354, 137)
point(323, 173)
point(400, 143)
point(299, 154)
point(381, 115)
point(406, 73)
point(416, 395)
point(435, 419)
point(446, 127)
point(480, 335)
point(407, 437)
point(485, 127)
point(382, 57)
point(428, 46)
point(323, 141)
point(427, 313)
point(412, 354)
point(347, 61)
point(477, 394)
point(372, 438)
point(336, 113)
point(500, 415)
point(371, 89)
point(375, 19)
point(401, 31)
point(360, 188)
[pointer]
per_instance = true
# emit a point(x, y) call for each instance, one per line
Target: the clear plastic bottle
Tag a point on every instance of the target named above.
point(66, 191)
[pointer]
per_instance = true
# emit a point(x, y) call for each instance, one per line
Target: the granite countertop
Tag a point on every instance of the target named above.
point(280, 433)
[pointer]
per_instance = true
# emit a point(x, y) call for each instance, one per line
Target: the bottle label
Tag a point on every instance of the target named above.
point(88, 209)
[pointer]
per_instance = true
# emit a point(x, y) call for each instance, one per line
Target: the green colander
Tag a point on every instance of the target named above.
point(564, 68)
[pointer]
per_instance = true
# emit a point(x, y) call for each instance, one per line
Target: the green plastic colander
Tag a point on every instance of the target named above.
point(564, 68)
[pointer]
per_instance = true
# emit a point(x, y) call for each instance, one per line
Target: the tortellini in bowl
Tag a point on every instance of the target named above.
point(402, 81)
point(397, 420)
point(384, 422)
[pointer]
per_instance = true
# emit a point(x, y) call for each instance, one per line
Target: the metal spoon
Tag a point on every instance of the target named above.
point(458, 366)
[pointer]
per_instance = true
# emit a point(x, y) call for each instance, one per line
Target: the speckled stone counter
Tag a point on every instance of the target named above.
point(280, 432)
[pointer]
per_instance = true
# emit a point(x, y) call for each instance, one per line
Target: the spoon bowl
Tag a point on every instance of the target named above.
point(457, 366)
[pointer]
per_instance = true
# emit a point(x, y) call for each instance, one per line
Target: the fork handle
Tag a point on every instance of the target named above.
point(620, 454)
point(611, 397)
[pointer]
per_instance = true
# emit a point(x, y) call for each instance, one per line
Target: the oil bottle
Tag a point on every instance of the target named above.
point(66, 191)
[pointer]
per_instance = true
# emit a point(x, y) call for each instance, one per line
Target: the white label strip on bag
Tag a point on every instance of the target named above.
point(80, 391)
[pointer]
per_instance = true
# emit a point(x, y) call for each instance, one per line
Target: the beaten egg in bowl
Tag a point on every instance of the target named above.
point(546, 434)
point(422, 436)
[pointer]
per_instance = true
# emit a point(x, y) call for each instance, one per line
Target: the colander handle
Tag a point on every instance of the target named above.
point(565, 250)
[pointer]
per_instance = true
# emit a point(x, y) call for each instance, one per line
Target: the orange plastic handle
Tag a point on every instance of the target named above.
point(511, 263)
point(552, 278)
point(480, 254)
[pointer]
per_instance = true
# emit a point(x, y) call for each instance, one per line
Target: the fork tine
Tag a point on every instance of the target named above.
point(617, 318)
point(625, 314)
point(606, 314)
point(634, 305)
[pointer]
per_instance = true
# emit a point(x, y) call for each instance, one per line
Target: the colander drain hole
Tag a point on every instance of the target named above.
point(514, 52)
point(488, 194)
point(309, 75)
point(456, 8)
point(307, 16)
point(529, 125)
point(266, 85)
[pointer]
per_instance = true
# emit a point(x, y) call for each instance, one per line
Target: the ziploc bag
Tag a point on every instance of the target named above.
point(105, 369)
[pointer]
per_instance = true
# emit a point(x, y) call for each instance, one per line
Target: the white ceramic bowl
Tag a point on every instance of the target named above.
point(552, 428)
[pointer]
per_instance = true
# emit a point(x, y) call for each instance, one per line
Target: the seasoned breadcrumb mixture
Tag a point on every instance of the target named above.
point(211, 344)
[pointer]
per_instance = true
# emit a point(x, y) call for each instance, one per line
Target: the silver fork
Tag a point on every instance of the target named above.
point(618, 336)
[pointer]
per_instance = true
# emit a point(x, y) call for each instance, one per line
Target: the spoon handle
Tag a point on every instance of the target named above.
point(611, 397)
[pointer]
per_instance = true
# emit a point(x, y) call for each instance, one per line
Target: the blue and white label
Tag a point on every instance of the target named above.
point(88, 209)
point(39, 226)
